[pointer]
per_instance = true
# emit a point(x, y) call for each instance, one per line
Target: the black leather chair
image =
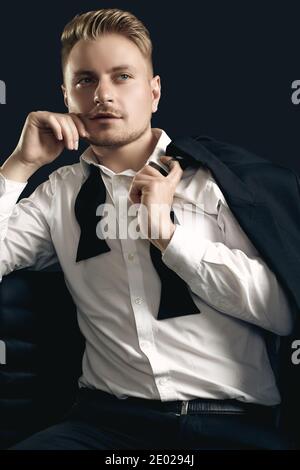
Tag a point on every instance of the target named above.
point(42, 350)
point(44, 347)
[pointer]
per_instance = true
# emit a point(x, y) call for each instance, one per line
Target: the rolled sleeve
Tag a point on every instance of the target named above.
point(9, 194)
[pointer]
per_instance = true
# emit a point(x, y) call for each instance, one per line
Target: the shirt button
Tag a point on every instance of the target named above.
point(163, 381)
point(131, 256)
point(145, 344)
point(138, 300)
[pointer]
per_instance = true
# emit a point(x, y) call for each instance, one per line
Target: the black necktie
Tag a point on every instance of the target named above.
point(175, 298)
point(91, 194)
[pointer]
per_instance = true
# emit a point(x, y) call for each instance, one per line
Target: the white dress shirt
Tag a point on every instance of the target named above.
point(218, 353)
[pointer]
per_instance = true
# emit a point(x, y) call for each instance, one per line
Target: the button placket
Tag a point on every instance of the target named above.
point(139, 303)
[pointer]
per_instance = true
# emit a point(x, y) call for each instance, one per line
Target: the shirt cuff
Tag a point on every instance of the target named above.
point(11, 184)
point(185, 252)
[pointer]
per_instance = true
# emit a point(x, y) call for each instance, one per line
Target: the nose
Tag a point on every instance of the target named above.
point(103, 93)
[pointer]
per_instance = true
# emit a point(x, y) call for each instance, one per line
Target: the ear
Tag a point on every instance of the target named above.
point(65, 95)
point(156, 92)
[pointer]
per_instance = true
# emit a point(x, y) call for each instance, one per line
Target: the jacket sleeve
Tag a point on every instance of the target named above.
point(230, 276)
point(25, 239)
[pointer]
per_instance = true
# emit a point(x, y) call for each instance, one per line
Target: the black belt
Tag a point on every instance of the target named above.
point(187, 407)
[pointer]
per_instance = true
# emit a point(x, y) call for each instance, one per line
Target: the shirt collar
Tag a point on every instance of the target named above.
point(197, 186)
point(88, 157)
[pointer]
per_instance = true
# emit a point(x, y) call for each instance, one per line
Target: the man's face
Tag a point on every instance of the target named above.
point(128, 92)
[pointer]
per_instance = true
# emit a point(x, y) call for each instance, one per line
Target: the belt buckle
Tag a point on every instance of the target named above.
point(184, 408)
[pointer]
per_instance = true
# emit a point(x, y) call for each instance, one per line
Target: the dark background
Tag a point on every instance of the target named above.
point(226, 69)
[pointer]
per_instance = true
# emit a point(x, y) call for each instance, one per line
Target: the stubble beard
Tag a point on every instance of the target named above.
point(118, 138)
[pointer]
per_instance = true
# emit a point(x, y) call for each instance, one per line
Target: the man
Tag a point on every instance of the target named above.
point(194, 375)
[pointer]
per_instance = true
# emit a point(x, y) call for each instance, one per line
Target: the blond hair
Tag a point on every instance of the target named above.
point(92, 24)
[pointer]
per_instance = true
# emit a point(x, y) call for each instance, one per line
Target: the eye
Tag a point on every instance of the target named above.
point(124, 74)
point(84, 81)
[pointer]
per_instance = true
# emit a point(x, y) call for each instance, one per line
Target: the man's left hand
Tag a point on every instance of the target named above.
point(154, 192)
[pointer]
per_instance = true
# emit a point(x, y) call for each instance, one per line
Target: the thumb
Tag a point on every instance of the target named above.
point(175, 168)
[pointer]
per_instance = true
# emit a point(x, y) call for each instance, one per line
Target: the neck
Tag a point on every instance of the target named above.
point(129, 156)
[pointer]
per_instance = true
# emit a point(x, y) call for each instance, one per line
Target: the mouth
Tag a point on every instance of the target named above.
point(104, 117)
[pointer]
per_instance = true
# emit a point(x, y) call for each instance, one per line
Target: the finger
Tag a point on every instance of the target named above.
point(175, 173)
point(57, 124)
point(67, 133)
point(135, 191)
point(175, 169)
point(149, 170)
point(152, 169)
point(158, 168)
point(74, 131)
point(146, 169)
point(142, 177)
point(166, 160)
point(55, 127)
point(79, 124)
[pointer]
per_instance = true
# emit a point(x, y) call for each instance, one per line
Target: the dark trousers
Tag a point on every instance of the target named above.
point(100, 421)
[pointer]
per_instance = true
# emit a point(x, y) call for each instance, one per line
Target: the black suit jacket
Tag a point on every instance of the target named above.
point(265, 199)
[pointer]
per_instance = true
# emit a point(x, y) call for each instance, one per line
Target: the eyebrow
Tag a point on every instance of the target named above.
point(113, 69)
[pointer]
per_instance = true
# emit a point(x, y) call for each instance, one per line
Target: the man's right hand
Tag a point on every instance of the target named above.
point(43, 138)
point(45, 135)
